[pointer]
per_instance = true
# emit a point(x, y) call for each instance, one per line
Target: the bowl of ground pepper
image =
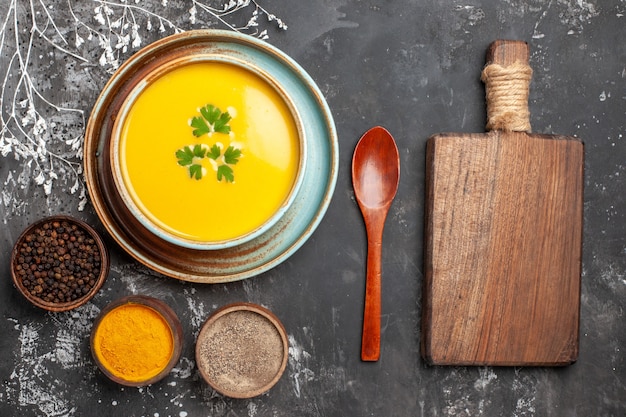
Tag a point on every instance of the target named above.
point(59, 263)
point(242, 350)
point(136, 340)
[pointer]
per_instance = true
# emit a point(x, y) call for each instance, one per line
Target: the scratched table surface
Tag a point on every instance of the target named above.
point(411, 66)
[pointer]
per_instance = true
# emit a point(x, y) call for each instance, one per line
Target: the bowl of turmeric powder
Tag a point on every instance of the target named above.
point(136, 340)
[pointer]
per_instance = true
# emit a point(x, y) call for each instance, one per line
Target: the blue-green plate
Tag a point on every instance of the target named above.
point(277, 243)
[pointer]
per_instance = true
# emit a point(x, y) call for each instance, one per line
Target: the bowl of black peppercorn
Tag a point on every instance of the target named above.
point(59, 263)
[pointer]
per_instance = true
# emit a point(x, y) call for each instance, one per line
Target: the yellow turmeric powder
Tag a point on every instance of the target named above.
point(134, 342)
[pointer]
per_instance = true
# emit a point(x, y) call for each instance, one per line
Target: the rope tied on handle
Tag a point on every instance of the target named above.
point(507, 90)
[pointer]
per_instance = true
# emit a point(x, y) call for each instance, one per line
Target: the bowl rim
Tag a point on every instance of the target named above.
point(120, 179)
point(234, 308)
point(66, 306)
point(170, 317)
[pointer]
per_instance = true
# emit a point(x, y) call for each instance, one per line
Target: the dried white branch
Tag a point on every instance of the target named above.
point(101, 34)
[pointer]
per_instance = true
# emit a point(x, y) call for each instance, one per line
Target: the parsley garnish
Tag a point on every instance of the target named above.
point(231, 156)
point(195, 170)
point(211, 120)
point(187, 156)
point(226, 172)
point(214, 152)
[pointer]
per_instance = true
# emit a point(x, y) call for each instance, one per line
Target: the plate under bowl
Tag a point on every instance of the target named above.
point(268, 249)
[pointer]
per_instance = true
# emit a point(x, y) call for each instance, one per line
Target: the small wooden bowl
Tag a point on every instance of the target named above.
point(21, 260)
point(170, 318)
point(242, 350)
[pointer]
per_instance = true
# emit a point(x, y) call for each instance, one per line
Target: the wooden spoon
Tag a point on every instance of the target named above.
point(375, 177)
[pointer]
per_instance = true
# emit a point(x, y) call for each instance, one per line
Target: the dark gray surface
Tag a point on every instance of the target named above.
point(412, 66)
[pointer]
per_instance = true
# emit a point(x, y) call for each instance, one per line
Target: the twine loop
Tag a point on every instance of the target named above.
point(507, 90)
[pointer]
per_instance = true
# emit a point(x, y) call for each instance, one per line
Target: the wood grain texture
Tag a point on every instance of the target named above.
point(375, 177)
point(506, 52)
point(503, 249)
point(503, 242)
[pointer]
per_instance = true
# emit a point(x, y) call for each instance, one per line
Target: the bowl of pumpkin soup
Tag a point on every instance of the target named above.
point(207, 152)
point(210, 156)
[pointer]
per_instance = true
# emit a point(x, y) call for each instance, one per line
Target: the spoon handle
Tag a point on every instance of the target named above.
point(370, 342)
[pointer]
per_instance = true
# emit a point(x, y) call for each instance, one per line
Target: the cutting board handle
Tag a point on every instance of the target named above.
point(507, 76)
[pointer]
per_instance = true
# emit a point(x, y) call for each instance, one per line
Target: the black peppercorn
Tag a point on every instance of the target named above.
point(56, 260)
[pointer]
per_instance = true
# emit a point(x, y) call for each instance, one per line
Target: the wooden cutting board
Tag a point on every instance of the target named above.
point(503, 233)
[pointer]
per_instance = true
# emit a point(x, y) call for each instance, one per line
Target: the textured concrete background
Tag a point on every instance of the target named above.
point(412, 66)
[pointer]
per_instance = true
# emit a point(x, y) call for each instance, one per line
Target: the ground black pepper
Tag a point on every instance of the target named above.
point(241, 352)
point(58, 262)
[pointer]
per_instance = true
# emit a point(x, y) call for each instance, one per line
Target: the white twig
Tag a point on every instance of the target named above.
point(101, 34)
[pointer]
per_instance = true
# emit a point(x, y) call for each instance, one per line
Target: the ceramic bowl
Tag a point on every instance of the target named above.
point(36, 260)
point(307, 205)
point(163, 73)
point(171, 320)
point(242, 350)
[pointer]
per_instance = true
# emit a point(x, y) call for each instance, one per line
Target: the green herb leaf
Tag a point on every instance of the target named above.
point(212, 120)
point(185, 156)
point(210, 113)
point(226, 172)
point(214, 152)
point(232, 155)
point(199, 151)
point(221, 125)
point(201, 127)
point(195, 171)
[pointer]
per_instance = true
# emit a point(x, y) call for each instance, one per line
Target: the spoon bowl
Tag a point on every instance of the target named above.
point(375, 178)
